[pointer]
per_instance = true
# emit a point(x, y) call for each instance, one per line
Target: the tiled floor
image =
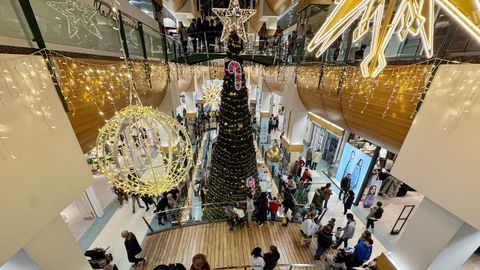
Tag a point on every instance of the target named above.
point(123, 219)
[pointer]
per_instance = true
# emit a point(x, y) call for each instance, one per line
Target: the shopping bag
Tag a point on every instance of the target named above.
point(284, 221)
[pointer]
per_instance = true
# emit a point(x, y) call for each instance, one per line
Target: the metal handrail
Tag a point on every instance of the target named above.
point(289, 265)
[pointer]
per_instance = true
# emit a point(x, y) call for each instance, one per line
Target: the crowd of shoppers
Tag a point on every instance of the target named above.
point(202, 33)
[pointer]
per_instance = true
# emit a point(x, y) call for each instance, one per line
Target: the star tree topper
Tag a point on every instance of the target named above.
point(233, 19)
point(389, 17)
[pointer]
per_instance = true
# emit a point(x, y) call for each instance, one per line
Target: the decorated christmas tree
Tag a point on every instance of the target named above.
point(233, 173)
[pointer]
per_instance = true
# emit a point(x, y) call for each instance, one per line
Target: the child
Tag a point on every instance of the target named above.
point(338, 233)
point(331, 222)
point(273, 207)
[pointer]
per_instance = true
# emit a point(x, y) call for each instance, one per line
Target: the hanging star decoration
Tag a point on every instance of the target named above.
point(233, 19)
point(212, 94)
point(78, 16)
point(397, 16)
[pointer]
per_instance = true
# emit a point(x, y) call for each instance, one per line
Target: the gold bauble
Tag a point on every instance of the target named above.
point(144, 151)
point(274, 154)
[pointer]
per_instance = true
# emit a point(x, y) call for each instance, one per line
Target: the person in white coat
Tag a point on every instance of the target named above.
point(317, 156)
point(257, 260)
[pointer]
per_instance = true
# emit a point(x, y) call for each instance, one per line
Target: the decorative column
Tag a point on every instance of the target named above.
point(295, 122)
point(265, 112)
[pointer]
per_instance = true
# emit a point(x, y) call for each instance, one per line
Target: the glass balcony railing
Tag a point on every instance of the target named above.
point(85, 27)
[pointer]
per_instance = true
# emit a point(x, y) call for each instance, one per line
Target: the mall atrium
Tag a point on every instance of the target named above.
point(239, 134)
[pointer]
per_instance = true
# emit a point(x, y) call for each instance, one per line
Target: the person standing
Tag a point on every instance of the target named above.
point(348, 230)
point(206, 32)
point(199, 262)
point(250, 209)
point(263, 37)
point(308, 158)
point(317, 156)
point(324, 241)
point(200, 34)
point(262, 209)
point(133, 247)
point(273, 206)
point(317, 201)
point(288, 203)
point(256, 258)
point(327, 192)
point(344, 186)
point(121, 195)
point(277, 36)
point(362, 253)
point(161, 206)
point(374, 215)
point(192, 32)
point(183, 36)
point(349, 198)
point(271, 258)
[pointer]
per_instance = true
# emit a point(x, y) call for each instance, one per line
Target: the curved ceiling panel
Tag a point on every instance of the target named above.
point(174, 5)
point(278, 6)
point(378, 109)
point(184, 85)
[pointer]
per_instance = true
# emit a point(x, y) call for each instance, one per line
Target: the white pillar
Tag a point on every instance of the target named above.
point(93, 201)
point(295, 122)
point(435, 239)
point(55, 248)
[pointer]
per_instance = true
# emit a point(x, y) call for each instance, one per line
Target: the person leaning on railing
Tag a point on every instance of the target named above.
point(192, 33)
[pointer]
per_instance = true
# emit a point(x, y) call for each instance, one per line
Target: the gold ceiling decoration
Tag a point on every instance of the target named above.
point(407, 16)
point(144, 151)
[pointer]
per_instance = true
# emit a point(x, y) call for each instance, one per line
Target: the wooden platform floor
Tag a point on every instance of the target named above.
point(222, 247)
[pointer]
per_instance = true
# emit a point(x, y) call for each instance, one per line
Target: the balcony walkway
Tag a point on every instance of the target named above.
point(222, 247)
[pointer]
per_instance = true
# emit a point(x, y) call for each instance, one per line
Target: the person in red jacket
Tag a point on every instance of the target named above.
point(305, 175)
point(273, 206)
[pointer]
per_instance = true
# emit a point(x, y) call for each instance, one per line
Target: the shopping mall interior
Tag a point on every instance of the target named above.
point(239, 134)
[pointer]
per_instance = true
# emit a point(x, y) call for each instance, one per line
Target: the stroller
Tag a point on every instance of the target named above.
point(98, 257)
point(234, 217)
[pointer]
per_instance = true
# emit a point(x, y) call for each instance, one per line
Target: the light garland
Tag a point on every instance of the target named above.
point(233, 19)
point(144, 151)
point(411, 16)
point(19, 76)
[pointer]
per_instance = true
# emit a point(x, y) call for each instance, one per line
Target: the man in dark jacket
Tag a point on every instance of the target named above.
point(271, 258)
point(133, 247)
point(192, 33)
point(161, 206)
point(344, 186)
point(324, 240)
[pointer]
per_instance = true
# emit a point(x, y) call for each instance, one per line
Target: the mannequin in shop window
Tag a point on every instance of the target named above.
point(357, 170)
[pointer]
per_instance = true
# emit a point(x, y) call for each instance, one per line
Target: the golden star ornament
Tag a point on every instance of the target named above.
point(385, 18)
point(233, 19)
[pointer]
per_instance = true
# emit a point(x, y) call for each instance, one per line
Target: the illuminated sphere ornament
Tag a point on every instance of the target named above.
point(144, 151)
point(274, 154)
